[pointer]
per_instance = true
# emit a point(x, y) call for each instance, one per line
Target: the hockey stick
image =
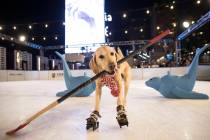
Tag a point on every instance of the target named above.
point(72, 92)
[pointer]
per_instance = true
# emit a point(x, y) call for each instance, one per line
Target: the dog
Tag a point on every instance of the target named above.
point(105, 58)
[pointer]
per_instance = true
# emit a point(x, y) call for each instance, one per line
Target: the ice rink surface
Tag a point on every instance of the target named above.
point(151, 116)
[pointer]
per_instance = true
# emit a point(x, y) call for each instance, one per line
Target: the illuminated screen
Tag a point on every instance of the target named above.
point(84, 24)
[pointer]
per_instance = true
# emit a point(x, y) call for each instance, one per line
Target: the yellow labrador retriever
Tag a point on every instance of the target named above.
point(105, 58)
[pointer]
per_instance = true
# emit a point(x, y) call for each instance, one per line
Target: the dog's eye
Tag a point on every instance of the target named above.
point(112, 53)
point(101, 56)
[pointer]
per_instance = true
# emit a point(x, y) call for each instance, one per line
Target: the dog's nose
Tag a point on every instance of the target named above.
point(111, 66)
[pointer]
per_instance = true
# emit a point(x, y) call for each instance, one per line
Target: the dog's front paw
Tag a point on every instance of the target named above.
point(92, 121)
point(121, 116)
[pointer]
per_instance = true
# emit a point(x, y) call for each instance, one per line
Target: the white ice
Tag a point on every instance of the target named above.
point(151, 116)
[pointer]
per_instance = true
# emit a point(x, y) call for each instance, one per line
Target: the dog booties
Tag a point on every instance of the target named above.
point(110, 82)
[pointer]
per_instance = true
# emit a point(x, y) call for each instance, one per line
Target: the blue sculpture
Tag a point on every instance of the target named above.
point(179, 87)
point(72, 82)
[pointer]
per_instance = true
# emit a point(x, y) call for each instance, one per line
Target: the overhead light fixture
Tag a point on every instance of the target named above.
point(53, 64)
point(147, 11)
point(33, 38)
point(110, 33)
point(124, 15)
point(22, 38)
point(64, 24)
point(39, 63)
point(158, 27)
point(46, 25)
point(174, 24)
point(171, 7)
point(141, 30)
point(14, 27)
point(2, 38)
point(18, 57)
point(12, 38)
point(126, 32)
point(30, 27)
point(44, 38)
point(193, 22)
point(186, 24)
point(1, 28)
point(198, 1)
point(56, 38)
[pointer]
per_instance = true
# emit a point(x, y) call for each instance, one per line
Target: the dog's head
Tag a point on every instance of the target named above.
point(105, 58)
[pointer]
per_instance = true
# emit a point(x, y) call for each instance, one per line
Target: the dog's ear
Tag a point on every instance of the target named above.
point(93, 64)
point(118, 54)
point(116, 49)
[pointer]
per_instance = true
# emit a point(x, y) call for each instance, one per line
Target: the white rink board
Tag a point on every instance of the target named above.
point(137, 74)
point(203, 73)
point(55, 75)
point(3, 75)
point(43, 75)
point(31, 75)
point(151, 72)
point(178, 71)
point(15, 75)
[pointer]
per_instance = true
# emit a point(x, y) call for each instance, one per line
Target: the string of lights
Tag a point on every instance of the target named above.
point(30, 28)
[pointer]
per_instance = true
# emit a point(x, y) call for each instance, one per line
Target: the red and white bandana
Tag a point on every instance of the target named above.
point(110, 82)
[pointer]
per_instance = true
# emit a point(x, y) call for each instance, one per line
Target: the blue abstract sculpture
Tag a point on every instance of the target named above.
point(179, 87)
point(72, 82)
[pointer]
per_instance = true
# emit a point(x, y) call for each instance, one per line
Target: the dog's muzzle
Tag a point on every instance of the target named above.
point(112, 68)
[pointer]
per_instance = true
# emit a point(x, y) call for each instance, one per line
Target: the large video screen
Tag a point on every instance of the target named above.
point(84, 24)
